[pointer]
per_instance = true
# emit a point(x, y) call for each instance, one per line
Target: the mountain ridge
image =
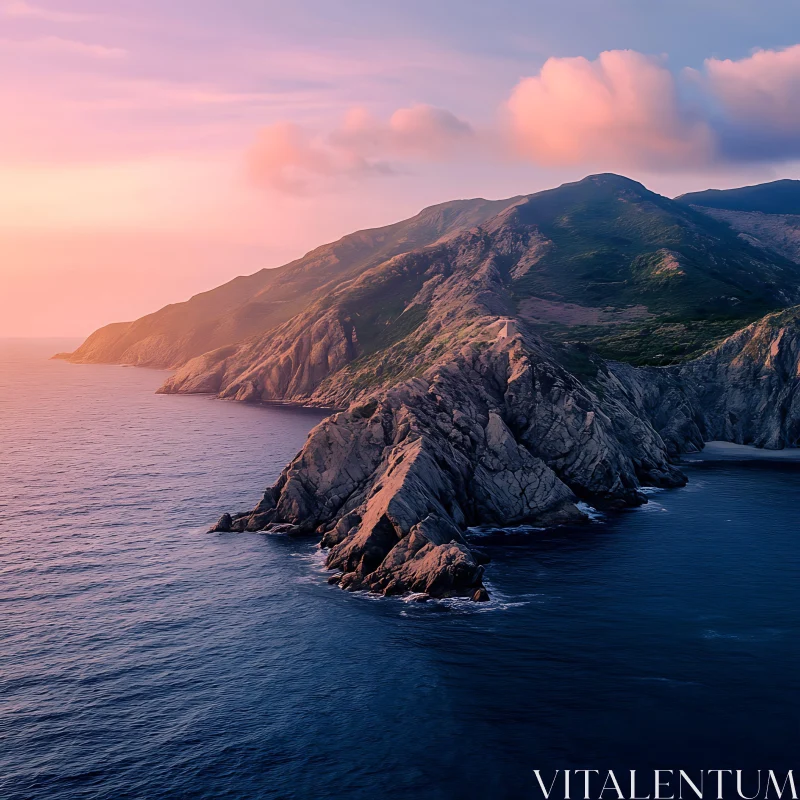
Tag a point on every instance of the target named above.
point(465, 404)
point(766, 215)
point(596, 247)
point(774, 197)
point(252, 304)
point(380, 324)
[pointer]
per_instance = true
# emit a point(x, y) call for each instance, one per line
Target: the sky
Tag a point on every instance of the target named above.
point(152, 150)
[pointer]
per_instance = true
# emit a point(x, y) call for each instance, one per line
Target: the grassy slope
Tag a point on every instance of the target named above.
point(618, 245)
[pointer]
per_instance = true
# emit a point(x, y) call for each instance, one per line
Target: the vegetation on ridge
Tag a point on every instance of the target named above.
point(600, 266)
point(616, 245)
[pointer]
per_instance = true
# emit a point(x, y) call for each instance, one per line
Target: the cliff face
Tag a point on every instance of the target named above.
point(502, 433)
point(498, 434)
point(471, 394)
point(747, 390)
point(461, 413)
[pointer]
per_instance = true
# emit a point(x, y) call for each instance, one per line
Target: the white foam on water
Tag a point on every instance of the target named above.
point(591, 512)
point(316, 558)
point(766, 634)
point(490, 532)
point(651, 506)
point(413, 597)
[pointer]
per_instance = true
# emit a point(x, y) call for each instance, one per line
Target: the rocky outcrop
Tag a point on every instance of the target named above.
point(288, 364)
point(461, 409)
point(451, 422)
point(501, 434)
point(747, 390)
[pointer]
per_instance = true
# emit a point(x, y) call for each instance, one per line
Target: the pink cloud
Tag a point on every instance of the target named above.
point(767, 84)
point(620, 110)
point(285, 157)
point(420, 131)
point(23, 10)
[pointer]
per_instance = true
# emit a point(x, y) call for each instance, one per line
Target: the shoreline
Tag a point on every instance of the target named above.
point(730, 451)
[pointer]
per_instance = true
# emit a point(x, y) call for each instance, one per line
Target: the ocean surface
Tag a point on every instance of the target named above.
point(141, 657)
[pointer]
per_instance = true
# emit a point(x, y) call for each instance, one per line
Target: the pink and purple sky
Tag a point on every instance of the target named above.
point(151, 150)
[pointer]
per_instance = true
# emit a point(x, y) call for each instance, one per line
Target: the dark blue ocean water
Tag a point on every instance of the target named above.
point(143, 658)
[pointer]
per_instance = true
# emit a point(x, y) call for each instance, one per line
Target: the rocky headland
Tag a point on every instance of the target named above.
point(463, 409)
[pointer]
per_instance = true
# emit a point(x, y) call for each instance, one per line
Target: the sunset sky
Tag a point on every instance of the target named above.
point(150, 150)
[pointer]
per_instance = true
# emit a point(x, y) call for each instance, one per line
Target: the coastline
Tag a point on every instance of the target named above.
point(729, 451)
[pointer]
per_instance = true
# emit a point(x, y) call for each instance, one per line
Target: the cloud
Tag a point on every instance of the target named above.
point(23, 10)
point(57, 44)
point(420, 131)
point(621, 110)
point(758, 104)
point(627, 110)
point(285, 157)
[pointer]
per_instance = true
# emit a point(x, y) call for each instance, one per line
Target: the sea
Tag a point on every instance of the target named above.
point(142, 657)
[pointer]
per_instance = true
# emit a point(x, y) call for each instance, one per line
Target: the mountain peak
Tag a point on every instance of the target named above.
point(573, 252)
point(612, 179)
point(599, 187)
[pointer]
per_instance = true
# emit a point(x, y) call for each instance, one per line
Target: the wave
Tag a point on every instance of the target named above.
point(591, 512)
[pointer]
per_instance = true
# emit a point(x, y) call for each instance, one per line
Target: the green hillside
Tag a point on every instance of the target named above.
point(669, 281)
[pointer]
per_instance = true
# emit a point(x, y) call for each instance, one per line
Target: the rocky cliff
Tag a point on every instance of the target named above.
point(747, 390)
point(503, 434)
point(474, 387)
point(498, 433)
point(461, 414)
